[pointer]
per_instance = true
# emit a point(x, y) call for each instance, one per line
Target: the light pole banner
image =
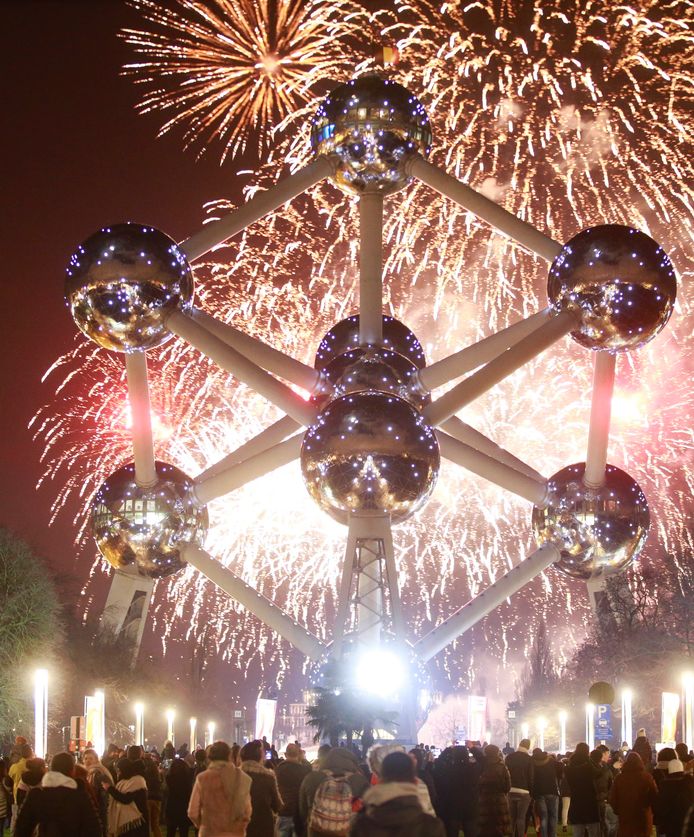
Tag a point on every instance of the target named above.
point(668, 718)
point(476, 717)
point(265, 711)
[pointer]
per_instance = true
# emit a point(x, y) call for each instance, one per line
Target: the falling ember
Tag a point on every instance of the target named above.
point(568, 115)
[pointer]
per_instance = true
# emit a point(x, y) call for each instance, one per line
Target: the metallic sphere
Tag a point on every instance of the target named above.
point(122, 282)
point(370, 452)
point(345, 336)
point(372, 369)
point(145, 527)
point(599, 531)
point(372, 125)
point(621, 280)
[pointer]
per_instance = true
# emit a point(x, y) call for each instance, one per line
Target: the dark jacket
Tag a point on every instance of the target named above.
point(456, 779)
point(675, 797)
point(340, 762)
point(58, 812)
point(544, 776)
point(520, 766)
point(644, 749)
point(290, 775)
point(153, 779)
point(265, 799)
point(494, 816)
point(179, 782)
point(139, 797)
point(393, 808)
point(580, 775)
point(632, 797)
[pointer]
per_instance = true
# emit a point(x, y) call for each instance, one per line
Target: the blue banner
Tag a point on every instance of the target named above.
point(603, 721)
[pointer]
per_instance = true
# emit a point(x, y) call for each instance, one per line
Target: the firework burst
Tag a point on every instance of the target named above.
point(231, 70)
point(570, 115)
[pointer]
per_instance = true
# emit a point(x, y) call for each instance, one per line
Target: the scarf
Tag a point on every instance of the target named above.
point(54, 779)
point(124, 817)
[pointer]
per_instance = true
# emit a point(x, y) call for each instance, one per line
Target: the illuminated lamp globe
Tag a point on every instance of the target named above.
point(146, 527)
point(121, 284)
point(370, 452)
point(599, 531)
point(622, 282)
point(371, 369)
point(372, 126)
point(344, 336)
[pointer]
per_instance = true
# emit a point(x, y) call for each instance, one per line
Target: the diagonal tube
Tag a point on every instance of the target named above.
point(370, 269)
point(268, 437)
point(253, 601)
point(241, 367)
point(250, 469)
point(501, 367)
point(501, 219)
point(272, 360)
point(140, 414)
point(469, 358)
point(476, 609)
point(491, 469)
point(464, 433)
point(600, 412)
point(262, 203)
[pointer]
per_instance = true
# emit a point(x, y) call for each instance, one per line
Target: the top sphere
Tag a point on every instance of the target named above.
point(123, 281)
point(622, 281)
point(344, 336)
point(372, 125)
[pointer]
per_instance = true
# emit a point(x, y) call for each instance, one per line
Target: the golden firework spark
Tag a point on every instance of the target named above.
point(231, 70)
point(570, 115)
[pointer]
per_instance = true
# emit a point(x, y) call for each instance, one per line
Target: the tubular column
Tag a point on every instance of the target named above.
point(501, 367)
point(138, 396)
point(600, 410)
point(506, 222)
point(241, 367)
point(476, 609)
point(262, 203)
point(370, 269)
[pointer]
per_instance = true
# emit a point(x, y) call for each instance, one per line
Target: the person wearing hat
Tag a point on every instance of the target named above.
point(290, 774)
point(494, 785)
point(338, 762)
point(675, 796)
point(632, 797)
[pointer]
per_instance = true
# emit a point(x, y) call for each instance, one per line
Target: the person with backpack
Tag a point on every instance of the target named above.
point(393, 806)
point(266, 801)
point(327, 796)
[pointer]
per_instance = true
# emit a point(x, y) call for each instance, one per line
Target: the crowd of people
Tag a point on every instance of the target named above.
point(250, 791)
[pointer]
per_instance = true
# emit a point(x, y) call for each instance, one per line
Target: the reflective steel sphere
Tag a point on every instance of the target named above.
point(370, 452)
point(599, 531)
point(372, 369)
point(122, 282)
point(345, 336)
point(623, 282)
point(372, 125)
point(146, 526)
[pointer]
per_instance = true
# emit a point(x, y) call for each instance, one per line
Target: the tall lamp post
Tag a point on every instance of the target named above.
point(140, 724)
point(688, 709)
point(541, 725)
point(590, 725)
point(40, 712)
point(562, 731)
point(627, 731)
point(170, 717)
point(193, 734)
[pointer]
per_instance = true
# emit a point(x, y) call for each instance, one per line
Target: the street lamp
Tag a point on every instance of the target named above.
point(627, 731)
point(590, 725)
point(562, 727)
point(541, 724)
point(688, 709)
point(210, 731)
point(170, 716)
point(140, 724)
point(525, 730)
point(40, 712)
point(193, 734)
point(99, 740)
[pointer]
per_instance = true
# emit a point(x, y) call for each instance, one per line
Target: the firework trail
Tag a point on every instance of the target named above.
point(570, 115)
point(230, 70)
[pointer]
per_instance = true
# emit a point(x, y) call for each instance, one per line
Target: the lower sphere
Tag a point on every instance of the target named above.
point(344, 336)
point(370, 452)
point(599, 531)
point(145, 527)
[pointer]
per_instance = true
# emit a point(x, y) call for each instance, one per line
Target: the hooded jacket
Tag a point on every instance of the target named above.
point(544, 776)
point(520, 766)
point(339, 762)
point(393, 808)
point(60, 808)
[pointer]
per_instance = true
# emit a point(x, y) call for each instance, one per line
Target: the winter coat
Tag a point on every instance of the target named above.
point(603, 781)
point(220, 805)
point(456, 780)
point(644, 749)
point(180, 787)
point(520, 766)
point(139, 797)
point(580, 775)
point(675, 797)
point(339, 762)
point(290, 775)
point(265, 799)
point(60, 808)
point(544, 776)
point(632, 797)
point(494, 816)
point(393, 808)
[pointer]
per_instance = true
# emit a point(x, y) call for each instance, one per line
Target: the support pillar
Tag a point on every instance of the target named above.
point(125, 613)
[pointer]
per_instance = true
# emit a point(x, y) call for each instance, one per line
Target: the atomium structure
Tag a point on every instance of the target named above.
point(371, 435)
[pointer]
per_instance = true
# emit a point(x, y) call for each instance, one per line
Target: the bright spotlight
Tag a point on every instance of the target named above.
point(380, 671)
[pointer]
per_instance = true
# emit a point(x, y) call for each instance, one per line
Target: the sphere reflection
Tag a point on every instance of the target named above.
point(599, 531)
point(372, 125)
point(122, 282)
point(344, 336)
point(145, 527)
point(370, 452)
point(622, 281)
